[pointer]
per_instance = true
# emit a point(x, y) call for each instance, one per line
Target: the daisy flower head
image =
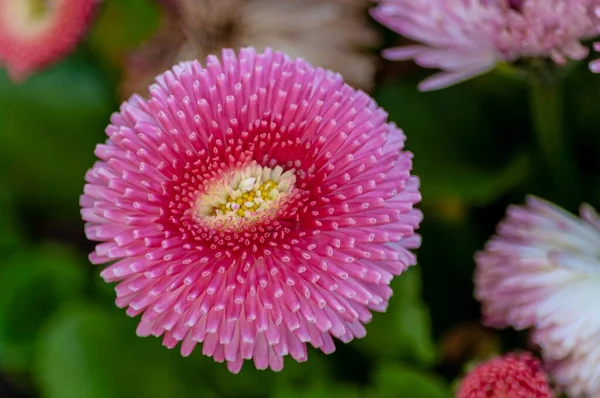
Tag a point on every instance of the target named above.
point(542, 272)
point(512, 375)
point(36, 33)
point(467, 38)
point(253, 205)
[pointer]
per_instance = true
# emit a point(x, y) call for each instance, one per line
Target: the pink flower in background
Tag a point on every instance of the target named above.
point(542, 271)
point(252, 205)
point(35, 34)
point(467, 38)
point(510, 376)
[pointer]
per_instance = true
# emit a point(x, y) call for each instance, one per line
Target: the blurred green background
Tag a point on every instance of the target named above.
point(61, 335)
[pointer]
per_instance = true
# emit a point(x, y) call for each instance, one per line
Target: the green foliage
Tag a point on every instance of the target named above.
point(74, 353)
point(122, 25)
point(11, 233)
point(395, 381)
point(404, 331)
point(33, 284)
point(89, 352)
point(48, 129)
point(447, 137)
point(250, 382)
point(322, 390)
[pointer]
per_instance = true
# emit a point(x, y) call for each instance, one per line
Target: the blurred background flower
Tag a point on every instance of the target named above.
point(36, 33)
point(466, 38)
point(332, 34)
point(509, 376)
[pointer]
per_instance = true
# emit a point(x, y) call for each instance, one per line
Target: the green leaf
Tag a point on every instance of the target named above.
point(251, 382)
point(33, 284)
point(321, 390)
point(404, 331)
point(394, 380)
point(48, 129)
point(72, 358)
point(89, 352)
point(315, 371)
point(469, 185)
point(11, 234)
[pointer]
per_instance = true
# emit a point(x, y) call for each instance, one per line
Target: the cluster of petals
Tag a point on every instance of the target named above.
point(542, 271)
point(512, 375)
point(332, 34)
point(311, 269)
point(466, 38)
point(35, 34)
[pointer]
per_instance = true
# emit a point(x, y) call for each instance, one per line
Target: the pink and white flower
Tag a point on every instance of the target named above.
point(542, 271)
point(35, 34)
point(252, 205)
point(467, 38)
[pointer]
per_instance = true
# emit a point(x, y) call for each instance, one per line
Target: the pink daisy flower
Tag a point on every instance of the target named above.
point(542, 271)
point(252, 205)
point(34, 33)
point(507, 376)
point(467, 38)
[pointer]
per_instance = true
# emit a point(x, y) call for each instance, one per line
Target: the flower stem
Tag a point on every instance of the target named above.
point(547, 117)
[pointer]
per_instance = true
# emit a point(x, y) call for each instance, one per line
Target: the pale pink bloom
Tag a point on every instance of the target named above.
point(467, 38)
point(253, 205)
point(542, 271)
point(509, 376)
point(35, 34)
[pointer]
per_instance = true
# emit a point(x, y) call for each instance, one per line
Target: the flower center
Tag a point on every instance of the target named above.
point(38, 8)
point(244, 194)
point(29, 18)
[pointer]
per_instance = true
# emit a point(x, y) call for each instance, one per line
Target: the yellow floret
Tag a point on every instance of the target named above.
point(262, 191)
